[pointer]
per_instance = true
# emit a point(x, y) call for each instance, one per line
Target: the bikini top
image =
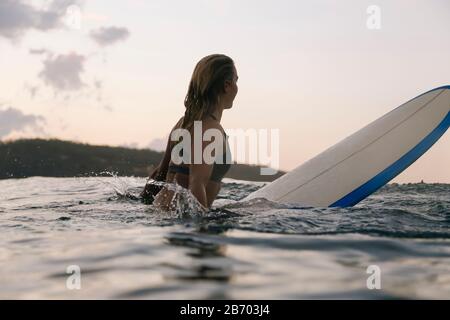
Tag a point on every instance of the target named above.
point(221, 164)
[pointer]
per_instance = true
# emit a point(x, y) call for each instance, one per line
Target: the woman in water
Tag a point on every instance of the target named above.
point(212, 89)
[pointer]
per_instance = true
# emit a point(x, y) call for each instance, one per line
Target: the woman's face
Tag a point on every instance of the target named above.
point(231, 90)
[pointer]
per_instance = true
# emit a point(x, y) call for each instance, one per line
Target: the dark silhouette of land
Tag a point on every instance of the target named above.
point(57, 158)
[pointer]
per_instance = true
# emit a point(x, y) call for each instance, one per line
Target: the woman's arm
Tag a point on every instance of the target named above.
point(199, 176)
point(164, 164)
point(161, 170)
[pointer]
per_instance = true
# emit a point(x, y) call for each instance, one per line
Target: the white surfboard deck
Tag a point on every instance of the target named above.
point(357, 166)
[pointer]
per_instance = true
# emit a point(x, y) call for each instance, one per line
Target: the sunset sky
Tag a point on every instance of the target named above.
point(312, 69)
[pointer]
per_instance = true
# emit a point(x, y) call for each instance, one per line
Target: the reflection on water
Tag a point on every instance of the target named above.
point(207, 257)
point(256, 249)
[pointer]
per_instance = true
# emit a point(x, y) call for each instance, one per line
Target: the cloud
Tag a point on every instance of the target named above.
point(18, 16)
point(12, 119)
point(131, 145)
point(98, 86)
point(63, 72)
point(109, 35)
point(38, 51)
point(158, 144)
point(108, 108)
point(31, 89)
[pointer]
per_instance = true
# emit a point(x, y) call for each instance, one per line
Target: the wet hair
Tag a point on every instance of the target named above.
point(205, 87)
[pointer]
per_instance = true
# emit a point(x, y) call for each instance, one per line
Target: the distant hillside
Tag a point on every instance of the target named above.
point(56, 158)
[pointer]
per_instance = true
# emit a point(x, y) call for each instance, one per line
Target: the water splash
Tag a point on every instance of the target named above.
point(183, 203)
point(118, 184)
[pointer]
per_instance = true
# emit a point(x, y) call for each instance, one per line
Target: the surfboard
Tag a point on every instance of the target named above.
point(360, 164)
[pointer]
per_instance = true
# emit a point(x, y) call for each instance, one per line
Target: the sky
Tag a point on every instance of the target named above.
point(116, 72)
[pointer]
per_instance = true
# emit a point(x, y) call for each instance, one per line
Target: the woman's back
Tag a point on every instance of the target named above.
point(180, 173)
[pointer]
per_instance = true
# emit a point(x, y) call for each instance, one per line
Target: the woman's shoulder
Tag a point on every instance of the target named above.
point(178, 124)
point(212, 125)
point(206, 124)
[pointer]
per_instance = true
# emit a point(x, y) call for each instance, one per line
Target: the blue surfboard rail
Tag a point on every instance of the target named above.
point(397, 167)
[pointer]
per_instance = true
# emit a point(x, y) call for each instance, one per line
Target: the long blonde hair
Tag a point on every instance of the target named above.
point(205, 87)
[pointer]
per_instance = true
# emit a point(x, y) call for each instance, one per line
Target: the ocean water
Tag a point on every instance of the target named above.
point(239, 250)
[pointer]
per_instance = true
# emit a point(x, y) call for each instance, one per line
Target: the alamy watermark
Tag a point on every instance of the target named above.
point(73, 281)
point(374, 280)
point(251, 145)
point(73, 17)
point(374, 19)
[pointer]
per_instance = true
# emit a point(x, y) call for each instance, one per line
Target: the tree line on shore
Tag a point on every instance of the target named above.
point(57, 158)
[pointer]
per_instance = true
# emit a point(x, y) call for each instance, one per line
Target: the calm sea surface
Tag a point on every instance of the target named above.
point(239, 250)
